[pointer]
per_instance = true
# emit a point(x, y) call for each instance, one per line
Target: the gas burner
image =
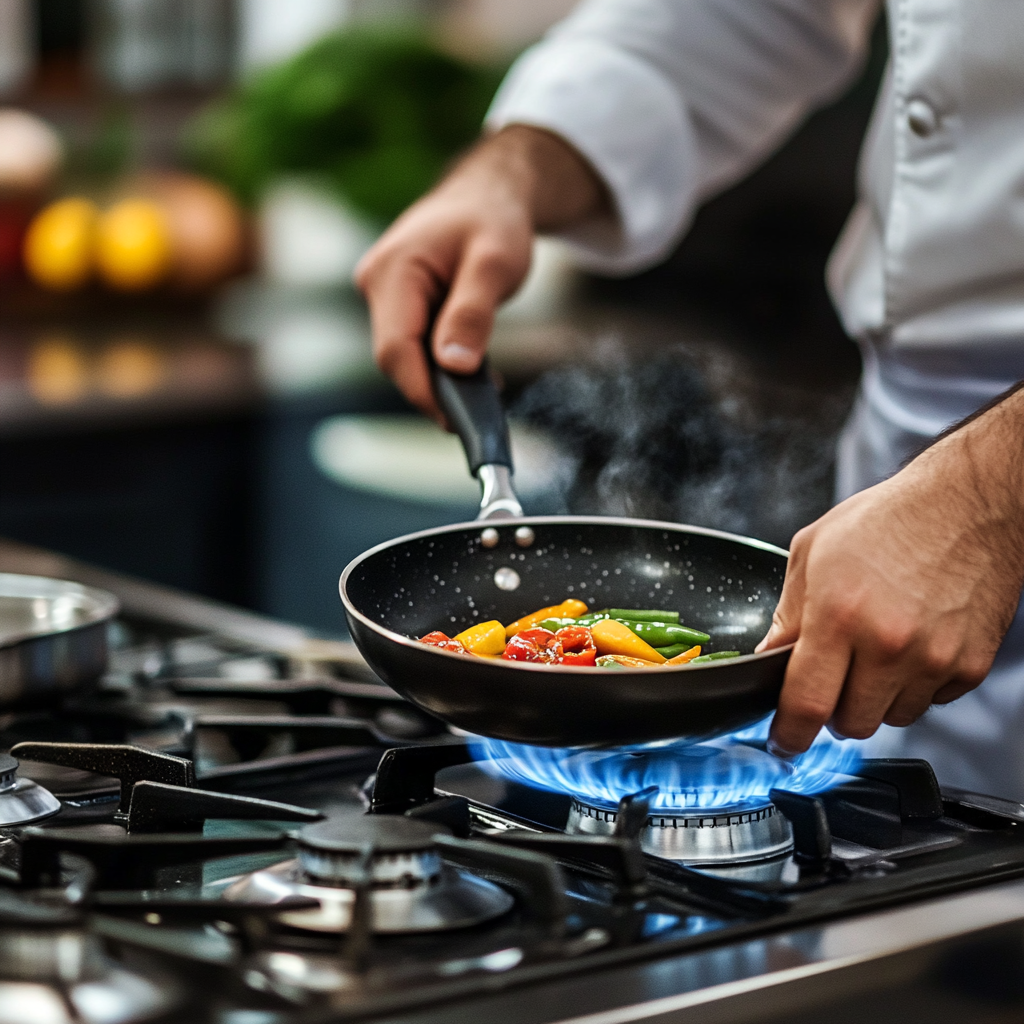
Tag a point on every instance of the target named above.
point(52, 969)
point(410, 888)
point(21, 800)
point(732, 835)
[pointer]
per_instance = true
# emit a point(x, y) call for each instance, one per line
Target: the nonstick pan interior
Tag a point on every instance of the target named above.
point(448, 579)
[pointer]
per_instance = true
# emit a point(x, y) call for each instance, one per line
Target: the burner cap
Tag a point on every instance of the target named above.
point(736, 835)
point(8, 770)
point(384, 833)
point(401, 851)
point(20, 911)
point(21, 800)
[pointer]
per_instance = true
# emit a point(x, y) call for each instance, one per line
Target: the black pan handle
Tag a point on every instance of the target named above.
point(473, 407)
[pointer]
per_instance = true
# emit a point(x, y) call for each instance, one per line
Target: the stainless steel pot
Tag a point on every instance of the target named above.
point(53, 637)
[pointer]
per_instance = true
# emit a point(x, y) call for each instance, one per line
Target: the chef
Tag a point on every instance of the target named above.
point(612, 131)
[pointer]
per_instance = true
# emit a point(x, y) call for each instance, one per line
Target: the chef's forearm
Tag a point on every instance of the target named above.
point(982, 460)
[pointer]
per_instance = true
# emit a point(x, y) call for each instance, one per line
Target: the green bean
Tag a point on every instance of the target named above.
point(671, 652)
point(717, 656)
point(665, 634)
point(643, 615)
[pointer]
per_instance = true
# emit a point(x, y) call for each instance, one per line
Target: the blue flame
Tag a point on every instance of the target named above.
point(725, 772)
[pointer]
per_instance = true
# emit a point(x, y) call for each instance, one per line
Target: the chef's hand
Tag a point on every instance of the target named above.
point(469, 239)
point(899, 597)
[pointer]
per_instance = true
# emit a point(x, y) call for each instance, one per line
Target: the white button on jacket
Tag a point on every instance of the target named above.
point(672, 100)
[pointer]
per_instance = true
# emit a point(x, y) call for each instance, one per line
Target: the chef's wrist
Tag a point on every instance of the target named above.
point(543, 172)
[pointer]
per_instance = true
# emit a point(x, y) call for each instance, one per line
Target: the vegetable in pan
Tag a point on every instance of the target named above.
point(569, 634)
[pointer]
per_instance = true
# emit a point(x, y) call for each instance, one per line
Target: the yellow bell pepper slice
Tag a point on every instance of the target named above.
point(485, 638)
point(570, 609)
point(611, 637)
point(686, 656)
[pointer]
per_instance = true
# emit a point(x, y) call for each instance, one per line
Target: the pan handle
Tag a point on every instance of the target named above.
point(473, 407)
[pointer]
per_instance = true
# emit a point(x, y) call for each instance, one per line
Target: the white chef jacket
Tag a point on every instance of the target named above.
point(672, 100)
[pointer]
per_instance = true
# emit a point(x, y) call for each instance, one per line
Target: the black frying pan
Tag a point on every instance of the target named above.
point(449, 578)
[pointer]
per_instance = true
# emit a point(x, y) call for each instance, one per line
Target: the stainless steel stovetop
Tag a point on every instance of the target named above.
point(252, 830)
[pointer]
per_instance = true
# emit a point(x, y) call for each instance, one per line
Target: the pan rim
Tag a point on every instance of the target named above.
point(479, 524)
point(102, 606)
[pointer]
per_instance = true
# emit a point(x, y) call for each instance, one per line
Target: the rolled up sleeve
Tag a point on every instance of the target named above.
point(672, 100)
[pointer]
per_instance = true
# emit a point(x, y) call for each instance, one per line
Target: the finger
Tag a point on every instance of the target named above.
point(487, 275)
point(907, 707)
point(786, 618)
point(400, 300)
point(814, 680)
point(873, 688)
point(954, 690)
point(942, 677)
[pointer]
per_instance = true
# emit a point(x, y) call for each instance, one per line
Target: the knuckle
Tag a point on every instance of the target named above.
point(494, 261)
point(366, 270)
point(808, 709)
point(938, 657)
point(974, 670)
point(388, 354)
point(902, 718)
point(801, 540)
point(856, 723)
point(857, 730)
point(894, 637)
point(374, 262)
point(799, 545)
point(845, 613)
point(908, 709)
point(472, 319)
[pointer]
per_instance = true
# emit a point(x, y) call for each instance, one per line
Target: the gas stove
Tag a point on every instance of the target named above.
point(241, 825)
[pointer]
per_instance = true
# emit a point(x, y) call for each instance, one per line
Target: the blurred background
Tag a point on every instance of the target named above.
point(186, 386)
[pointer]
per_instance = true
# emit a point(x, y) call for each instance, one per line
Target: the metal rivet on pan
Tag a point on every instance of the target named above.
point(489, 538)
point(506, 578)
point(524, 536)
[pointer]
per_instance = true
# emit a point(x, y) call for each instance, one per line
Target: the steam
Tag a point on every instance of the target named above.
point(659, 437)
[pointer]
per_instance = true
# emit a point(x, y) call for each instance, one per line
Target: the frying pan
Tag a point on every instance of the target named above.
point(504, 566)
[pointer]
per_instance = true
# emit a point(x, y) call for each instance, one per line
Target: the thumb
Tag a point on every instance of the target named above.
point(488, 274)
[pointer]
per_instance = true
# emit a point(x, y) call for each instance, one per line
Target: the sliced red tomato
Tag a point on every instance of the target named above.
point(445, 642)
point(534, 645)
point(577, 646)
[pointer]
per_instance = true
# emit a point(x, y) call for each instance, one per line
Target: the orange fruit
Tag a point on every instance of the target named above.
point(57, 373)
point(133, 245)
point(206, 227)
point(130, 368)
point(58, 249)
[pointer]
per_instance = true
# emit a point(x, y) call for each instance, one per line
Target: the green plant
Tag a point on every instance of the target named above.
point(376, 113)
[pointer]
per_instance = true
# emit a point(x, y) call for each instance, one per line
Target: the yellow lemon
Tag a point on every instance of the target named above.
point(133, 245)
point(58, 247)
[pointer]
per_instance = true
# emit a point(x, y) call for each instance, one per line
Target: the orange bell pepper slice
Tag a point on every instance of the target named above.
point(570, 609)
point(686, 656)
